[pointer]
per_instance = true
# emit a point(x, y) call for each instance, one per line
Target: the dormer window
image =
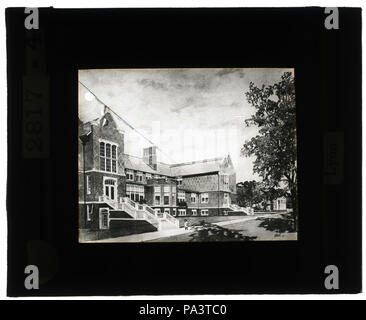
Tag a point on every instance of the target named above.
point(129, 175)
point(108, 156)
point(139, 176)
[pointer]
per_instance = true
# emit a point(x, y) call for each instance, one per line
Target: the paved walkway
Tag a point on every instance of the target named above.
point(148, 236)
point(246, 218)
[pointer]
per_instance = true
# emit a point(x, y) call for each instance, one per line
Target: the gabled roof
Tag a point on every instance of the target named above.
point(136, 163)
point(176, 170)
point(197, 167)
point(89, 120)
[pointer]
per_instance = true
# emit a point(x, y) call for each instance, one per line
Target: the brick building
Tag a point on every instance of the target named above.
point(118, 186)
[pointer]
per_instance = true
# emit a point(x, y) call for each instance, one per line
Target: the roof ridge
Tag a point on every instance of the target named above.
point(141, 158)
point(196, 161)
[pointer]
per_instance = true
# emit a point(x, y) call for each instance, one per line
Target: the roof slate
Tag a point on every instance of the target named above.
point(175, 170)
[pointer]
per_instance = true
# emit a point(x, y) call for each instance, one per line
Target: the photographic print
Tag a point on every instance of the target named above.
point(187, 155)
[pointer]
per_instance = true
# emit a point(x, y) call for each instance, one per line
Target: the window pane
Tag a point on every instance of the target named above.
point(102, 164)
point(157, 199)
point(102, 149)
point(114, 169)
point(114, 148)
point(108, 165)
point(108, 150)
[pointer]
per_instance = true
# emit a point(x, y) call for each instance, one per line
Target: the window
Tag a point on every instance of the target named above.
point(174, 212)
point(204, 198)
point(181, 212)
point(89, 210)
point(194, 212)
point(135, 192)
point(193, 197)
point(108, 157)
point(139, 177)
point(166, 195)
point(204, 212)
point(181, 196)
point(179, 181)
point(129, 175)
point(114, 158)
point(88, 185)
point(167, 210)
point(148, 176)
point(157, 211)
point(102, 155)
point(157, 199)
point(104, 218)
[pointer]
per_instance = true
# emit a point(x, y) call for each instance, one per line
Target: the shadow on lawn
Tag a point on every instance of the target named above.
point(211, 232)
point(281, 224)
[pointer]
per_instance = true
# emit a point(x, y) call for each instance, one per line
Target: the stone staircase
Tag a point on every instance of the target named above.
point(161, 221)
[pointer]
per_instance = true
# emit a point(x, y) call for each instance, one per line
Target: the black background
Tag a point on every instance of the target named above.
point(43, 193)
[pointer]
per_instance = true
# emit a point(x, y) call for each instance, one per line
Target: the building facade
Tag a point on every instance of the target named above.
point(108, 176)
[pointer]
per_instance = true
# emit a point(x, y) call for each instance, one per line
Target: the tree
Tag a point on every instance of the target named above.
point(274, 148)
point(248, 193)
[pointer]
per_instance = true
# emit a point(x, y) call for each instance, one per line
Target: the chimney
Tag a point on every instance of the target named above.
point(149, 157)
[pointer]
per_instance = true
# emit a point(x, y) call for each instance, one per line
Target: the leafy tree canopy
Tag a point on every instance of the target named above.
point(275, 146)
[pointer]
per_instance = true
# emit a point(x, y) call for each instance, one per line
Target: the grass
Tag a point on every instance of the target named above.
point(266, 229)
point(275, 227)
point(280, 223)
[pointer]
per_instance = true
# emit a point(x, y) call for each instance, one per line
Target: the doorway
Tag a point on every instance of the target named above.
point(110, 188)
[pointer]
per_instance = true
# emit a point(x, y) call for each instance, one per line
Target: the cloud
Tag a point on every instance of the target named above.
point(209, 101)
point(229, 71)
point(152, 83)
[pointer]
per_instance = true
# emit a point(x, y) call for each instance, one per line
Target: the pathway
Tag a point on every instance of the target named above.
point(148, 236)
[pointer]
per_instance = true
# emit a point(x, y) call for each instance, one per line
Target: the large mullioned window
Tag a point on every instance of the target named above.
point(108, 157)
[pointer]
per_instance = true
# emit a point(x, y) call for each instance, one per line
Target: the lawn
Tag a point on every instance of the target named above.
point(255, 228)
point(273, 227)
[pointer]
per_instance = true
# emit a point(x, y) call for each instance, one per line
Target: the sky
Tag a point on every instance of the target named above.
point(191, 114)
